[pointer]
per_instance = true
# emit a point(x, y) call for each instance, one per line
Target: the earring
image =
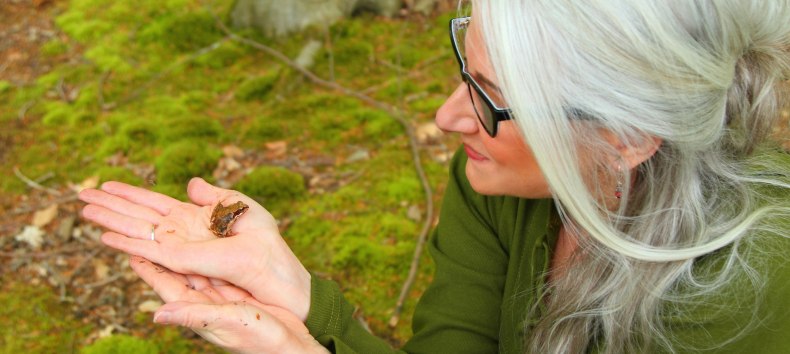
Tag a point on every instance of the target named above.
point(618, 190)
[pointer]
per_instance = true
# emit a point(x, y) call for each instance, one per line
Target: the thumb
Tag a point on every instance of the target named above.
point(201, 192)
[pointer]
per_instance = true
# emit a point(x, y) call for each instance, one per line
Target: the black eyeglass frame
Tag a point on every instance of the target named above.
point(498, 114)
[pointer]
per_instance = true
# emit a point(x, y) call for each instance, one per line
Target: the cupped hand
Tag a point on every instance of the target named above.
point(224, 314)
point(254, 258)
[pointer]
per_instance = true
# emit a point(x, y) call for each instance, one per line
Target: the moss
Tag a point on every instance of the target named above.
point(190, 31)
point(121, 344)
point(187, 127)
point(174, 190)
point(271, 186)
point(428, 105)
point(378, 124)
point(108, 59)
point(165, 106)
point(258, 88)
point(196, 100)
point(5, 87)
point(134, 139)
point(114, 173)
point(265, 129)
point(54, 48)
point(185, 159)
point(226, 54)
point(353, 52)
point(33, 321)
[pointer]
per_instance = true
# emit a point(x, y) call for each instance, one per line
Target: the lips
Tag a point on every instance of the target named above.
point(473, 154)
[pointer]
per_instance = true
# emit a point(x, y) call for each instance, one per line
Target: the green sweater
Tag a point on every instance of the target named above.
point(491, 254)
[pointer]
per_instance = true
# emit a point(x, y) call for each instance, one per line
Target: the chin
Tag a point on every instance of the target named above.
point(479, 184)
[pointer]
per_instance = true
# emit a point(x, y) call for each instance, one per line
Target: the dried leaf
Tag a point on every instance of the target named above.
point(276, 148)
point(90, 182)
point(149, 306)
point(44, 216)
point(232, 151)
point(100, 269)
point(107, 331)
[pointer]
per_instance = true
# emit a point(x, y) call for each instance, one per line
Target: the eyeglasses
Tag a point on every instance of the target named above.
point(487, 111)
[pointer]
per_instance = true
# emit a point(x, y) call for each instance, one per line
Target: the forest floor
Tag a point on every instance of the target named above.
point(62, 289)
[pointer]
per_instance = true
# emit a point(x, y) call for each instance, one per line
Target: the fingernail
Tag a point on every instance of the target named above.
point(161, 317)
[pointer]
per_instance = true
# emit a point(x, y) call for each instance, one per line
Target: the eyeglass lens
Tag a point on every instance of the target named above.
point(482, 108)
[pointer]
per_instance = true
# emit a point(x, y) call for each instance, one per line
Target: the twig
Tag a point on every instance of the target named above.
point(103, 282)
point(330, 51)
point(61, 90)
point(43, 254)
point(64, 199)
point(25, 107)
point(411, 74)
point(100, 91)
point(91, 256)
point(395, 113)
point(32, 184)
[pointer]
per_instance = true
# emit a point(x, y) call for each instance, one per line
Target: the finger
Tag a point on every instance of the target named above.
point(123, 224)
point(201, 192)
point(132, 246)
point(156, 201)
point(231, 317)
point(193, 315)
point(183, 258)
point(119, 205)
point(168, 285)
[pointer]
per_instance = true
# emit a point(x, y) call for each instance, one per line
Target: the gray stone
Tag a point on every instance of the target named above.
point(278, 18)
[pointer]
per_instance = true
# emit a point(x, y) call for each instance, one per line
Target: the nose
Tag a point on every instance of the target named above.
point(457, 113)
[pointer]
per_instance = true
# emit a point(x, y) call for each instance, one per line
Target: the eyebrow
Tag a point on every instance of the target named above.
point(484, 80)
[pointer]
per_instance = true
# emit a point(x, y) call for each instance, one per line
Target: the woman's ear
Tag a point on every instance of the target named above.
point(636, 151)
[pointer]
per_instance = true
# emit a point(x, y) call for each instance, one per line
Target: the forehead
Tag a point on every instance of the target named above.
point(476, 52)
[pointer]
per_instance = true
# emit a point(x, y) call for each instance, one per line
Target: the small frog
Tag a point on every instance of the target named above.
point(223, 217)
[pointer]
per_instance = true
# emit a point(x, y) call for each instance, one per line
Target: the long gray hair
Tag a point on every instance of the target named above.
point(704, 76)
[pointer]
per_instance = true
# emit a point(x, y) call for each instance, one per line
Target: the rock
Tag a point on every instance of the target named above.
point(278, 18)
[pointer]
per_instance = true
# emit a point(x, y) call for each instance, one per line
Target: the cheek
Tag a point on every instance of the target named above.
point(519, 170)
point(508, 148)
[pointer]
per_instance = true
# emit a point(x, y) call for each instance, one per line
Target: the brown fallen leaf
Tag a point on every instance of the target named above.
point(44, 216)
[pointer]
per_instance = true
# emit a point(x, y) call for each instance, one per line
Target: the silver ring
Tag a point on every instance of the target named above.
point(153, 229)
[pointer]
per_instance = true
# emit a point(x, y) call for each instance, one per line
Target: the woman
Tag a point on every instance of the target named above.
point(613, 195)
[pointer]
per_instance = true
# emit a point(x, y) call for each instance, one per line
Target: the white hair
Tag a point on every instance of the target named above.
point(703, 76)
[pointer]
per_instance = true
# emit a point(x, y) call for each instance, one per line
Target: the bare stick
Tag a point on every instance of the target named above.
point(32, 184)
point(23, 110)
point(395, 113)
